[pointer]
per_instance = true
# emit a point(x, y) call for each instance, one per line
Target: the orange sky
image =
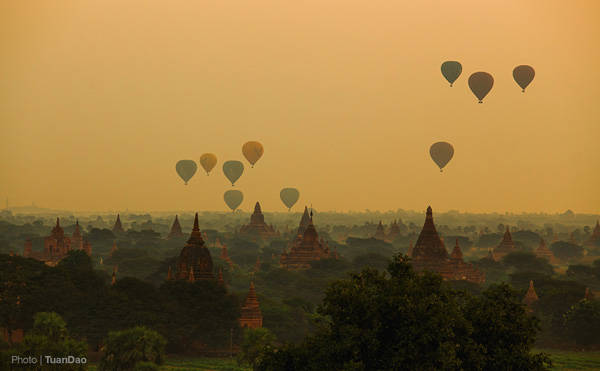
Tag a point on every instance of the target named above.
point(99, 99)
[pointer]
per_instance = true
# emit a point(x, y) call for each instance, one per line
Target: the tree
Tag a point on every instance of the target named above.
point(527, 262)
point(404, 320)
point(49, 337)
point(254, 345)
point(566, 250)
point(126, 349)
point(582, 322)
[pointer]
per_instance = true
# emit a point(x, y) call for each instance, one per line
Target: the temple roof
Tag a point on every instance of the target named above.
point(429, 245)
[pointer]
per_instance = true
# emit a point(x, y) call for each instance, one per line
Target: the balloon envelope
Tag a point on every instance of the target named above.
point(523, 75)
point(186, 169)
point(233, 198)
point(451, 71)
point(233, 170)
point(481, 83)
point(289, 196)
point(441, 153)
point(253, 151)
point(208, 162)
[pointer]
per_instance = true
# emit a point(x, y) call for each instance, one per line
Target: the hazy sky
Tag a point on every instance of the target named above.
point(100, 99)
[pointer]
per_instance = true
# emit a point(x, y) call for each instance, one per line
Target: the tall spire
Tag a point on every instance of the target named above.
point(57, 223)
point(175, 229)
point(257, 208)
point(196, 235)
point(118, 227)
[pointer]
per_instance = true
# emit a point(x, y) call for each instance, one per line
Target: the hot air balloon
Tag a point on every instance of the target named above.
point(186, 169)
point(451, 71)
point(441, 153)
point(233, 198)
point(289, 196)
point(523, 75)
point(233, 170)
point(481, 83)
point(208, 162)
point(253, 151)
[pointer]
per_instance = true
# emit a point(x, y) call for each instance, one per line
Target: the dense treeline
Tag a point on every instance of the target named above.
point(187, 314)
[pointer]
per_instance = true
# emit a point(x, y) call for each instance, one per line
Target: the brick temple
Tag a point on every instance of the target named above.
point(430, 254)
point(195, 262)
point(306, 248)
point(257, 226)
point(57, 245)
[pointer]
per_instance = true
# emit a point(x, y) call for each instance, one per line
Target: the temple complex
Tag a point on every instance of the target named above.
point(530, 297)
point(305, 249)
point(544, 252)
point(195, 262)
point(257, 226)
point(57, 245)
point(175, 229)
point(380, 232)
point(118, 227)
point(430, 254)
point(505, 247)
point(251, 316)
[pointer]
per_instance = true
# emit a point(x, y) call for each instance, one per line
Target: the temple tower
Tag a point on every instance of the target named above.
point(118, 227)
point(175, 229)
point(195, 258)
point(251, 316)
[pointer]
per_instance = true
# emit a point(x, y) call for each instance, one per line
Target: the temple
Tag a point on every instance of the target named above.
point(175, 229)
point(380, 232)
point(530, 297)
point(544, 252)
point(305, 249)
point(118, 227)
point(195, 262)
point(57, 245)
point(505, 247)
point(595, 237)
point(430, 254)
point(257, 226)
point(251, 316)
point(394, 231)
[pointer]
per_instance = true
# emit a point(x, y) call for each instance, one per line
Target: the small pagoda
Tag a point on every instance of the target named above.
point(505, 247)
point(544, 252)
point(251, 316)
point(118, 227)
point(175, 229)
point(530, 297)
point(380, 232)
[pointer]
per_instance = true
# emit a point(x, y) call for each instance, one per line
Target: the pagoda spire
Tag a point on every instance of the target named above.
point(456, 252)
point(196, 235)
point(531, 296)
point(175, 229)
